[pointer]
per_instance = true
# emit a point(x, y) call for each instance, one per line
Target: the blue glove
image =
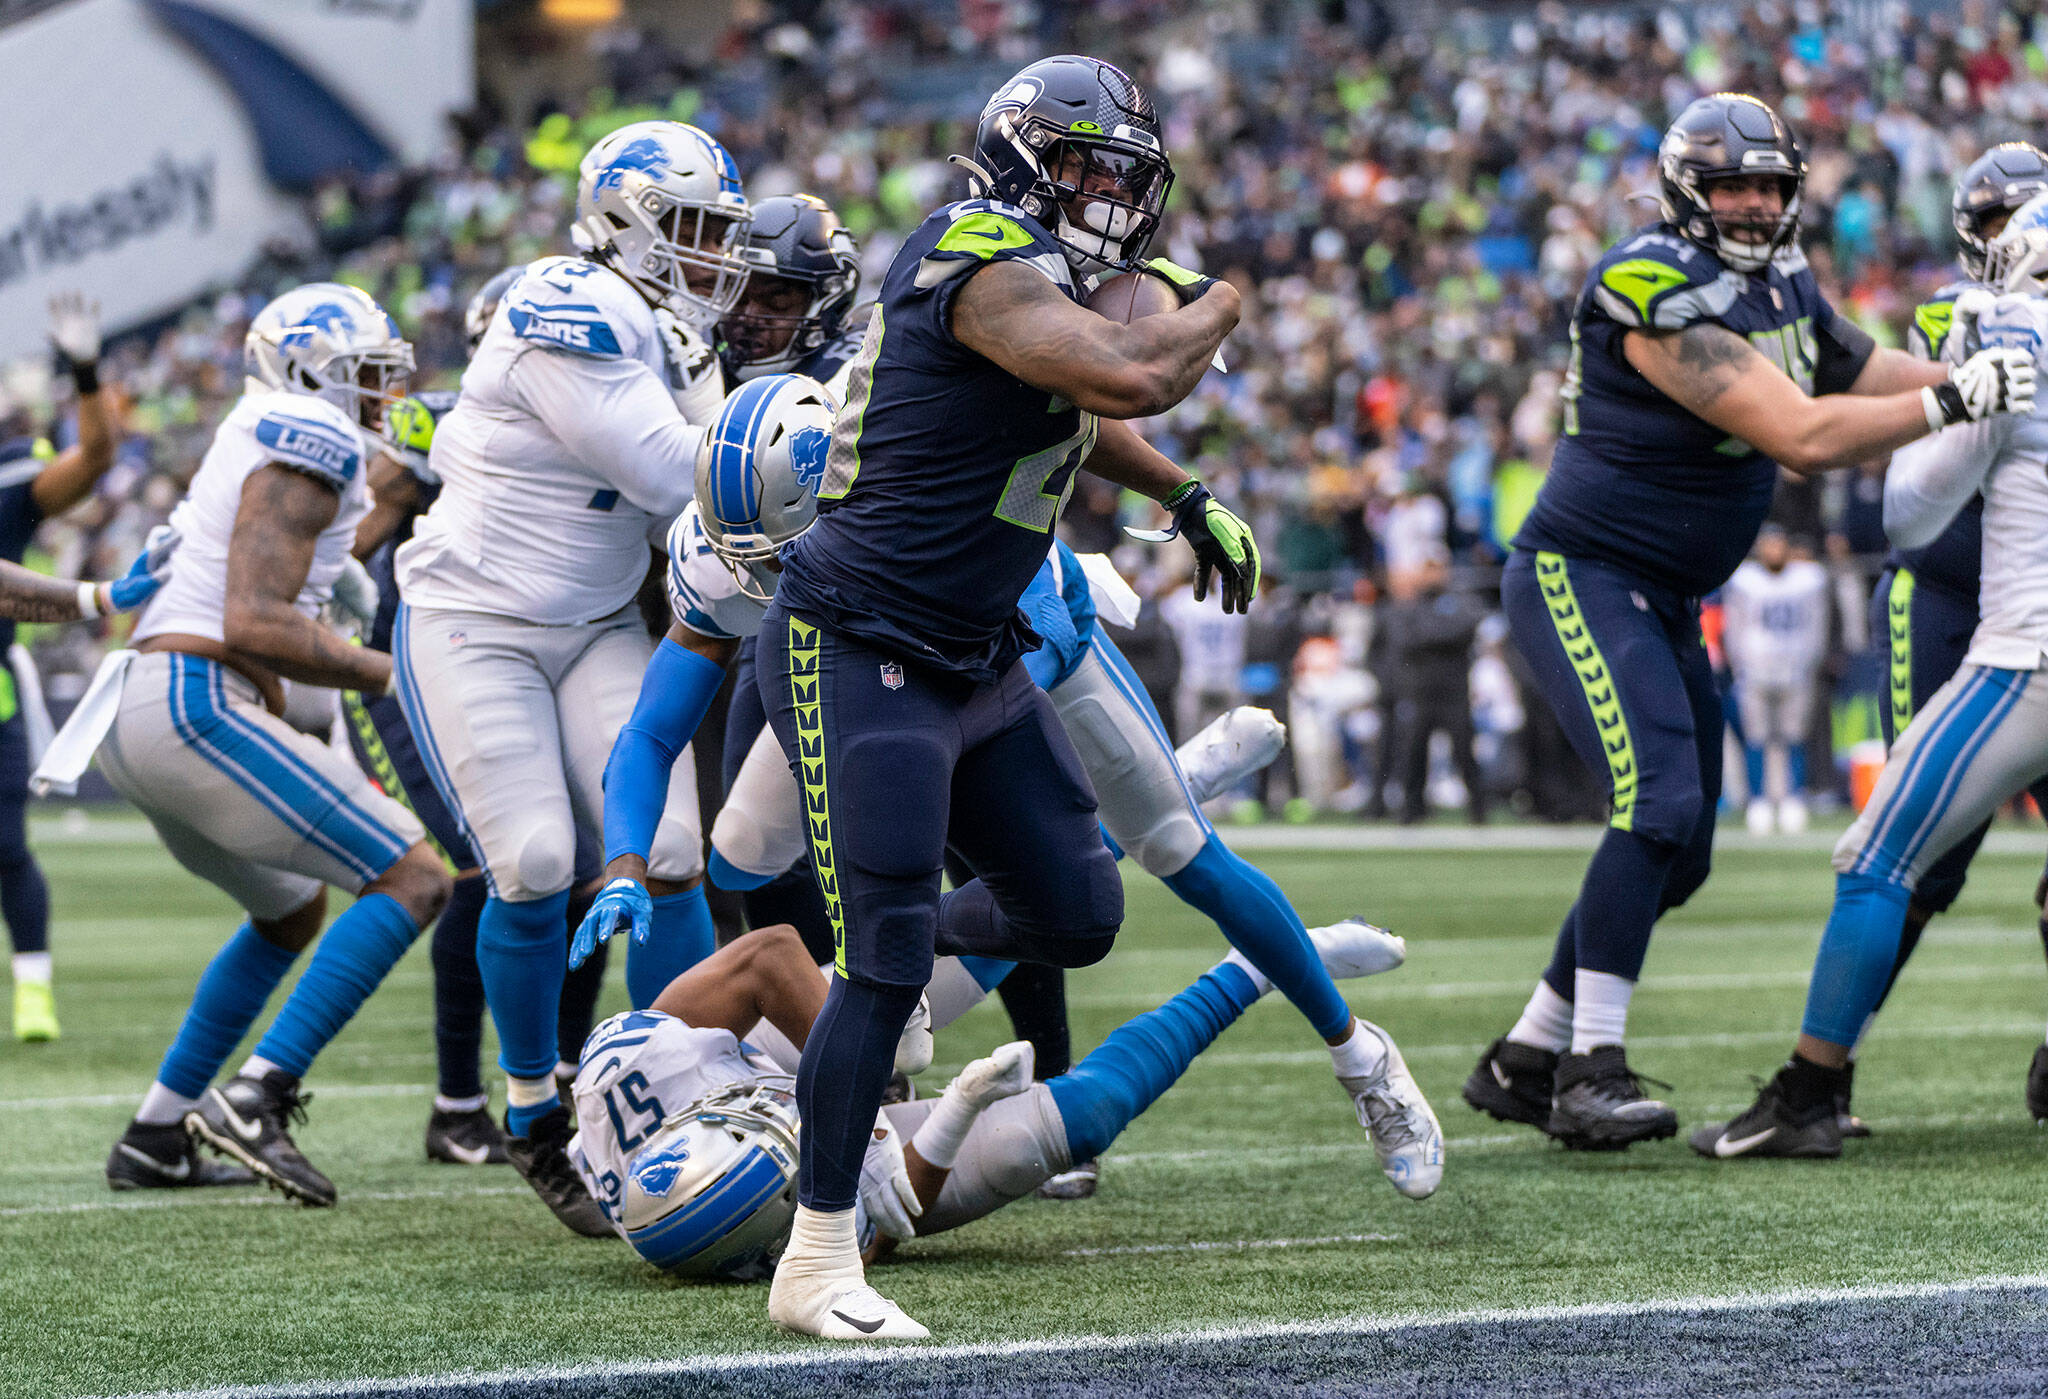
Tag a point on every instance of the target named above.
point(150, 571)
point(624, 903)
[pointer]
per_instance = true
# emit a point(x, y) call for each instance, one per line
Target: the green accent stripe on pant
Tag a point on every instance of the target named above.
point(1591, 667)
point(382, 770)
point(810, 742)
point(1898, 606)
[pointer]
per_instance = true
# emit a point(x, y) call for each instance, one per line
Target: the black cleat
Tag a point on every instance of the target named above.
point(1850, 1124)
point(465, 1138)
point(1078, 1183)
point(245, 1118)
point(1600, 1104)
point(162, 1157)
point(899, 1089)
point(2037, 1084)
point(1772, 1128)
point(1514, 1082)
point(542, 1159)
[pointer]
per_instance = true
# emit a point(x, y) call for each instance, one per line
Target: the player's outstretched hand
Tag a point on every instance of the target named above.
point(1998, 380)
point(1222, 543)
point(624, 903)
point(75, 326)
point(147, 575)
point(885, 1184)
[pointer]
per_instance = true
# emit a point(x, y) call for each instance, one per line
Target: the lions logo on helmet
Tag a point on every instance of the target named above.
point(713, 1194)
point(657, 201)
point(333, 342)
point(759, 471)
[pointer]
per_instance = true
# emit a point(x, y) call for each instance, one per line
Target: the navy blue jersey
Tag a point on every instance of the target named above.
point(381, 564)
point(1955, 558)
point(22, 459)
point(1639, 482)
point(946, 471)
point(835, 354)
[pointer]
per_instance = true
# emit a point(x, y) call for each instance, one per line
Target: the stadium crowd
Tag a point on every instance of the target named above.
point(1409, 211)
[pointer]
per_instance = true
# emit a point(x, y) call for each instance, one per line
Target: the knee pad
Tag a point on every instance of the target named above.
point(1669, 810)
point(1685, 878)
point(1166, 848)
point(1014, 1147)
point(544, 864)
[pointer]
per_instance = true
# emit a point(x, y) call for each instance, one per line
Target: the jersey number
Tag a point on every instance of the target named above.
point(1040, 483)
point(629, 1088)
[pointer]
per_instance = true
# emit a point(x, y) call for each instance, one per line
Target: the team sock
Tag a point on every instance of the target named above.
point(519, 950)
point(1362, 1054)
point(1857, 953)
point(1619, 902)
point(1258, 920)
point(847, 1061)
point(458, 992)
point(162, 1107)
point(1546, 1021)
point(355, 954)
point(1035, 998)
point(1140, 1060)
point(229, 997)
point(32, 967)
point(25, 901)
point(682, 937)
point(1599, 1009)
point(1753, 765)
point(444, 1103)
point(1809, 1085)
point(576, 1008)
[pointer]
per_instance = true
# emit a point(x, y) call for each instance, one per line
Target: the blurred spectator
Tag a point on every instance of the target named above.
point(1430, 630)
point(1775, 635)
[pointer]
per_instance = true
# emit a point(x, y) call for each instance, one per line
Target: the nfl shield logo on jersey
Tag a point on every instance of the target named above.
point(892, 675)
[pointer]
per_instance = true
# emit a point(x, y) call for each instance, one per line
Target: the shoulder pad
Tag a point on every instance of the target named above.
point(697, 582)
point(572, 304)
point(975, 232)
point(1657, 281)
point(309, 435)
point(2016, 320)
point(1790, 259)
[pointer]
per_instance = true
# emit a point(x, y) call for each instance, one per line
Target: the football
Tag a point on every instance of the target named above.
point(1129, 295)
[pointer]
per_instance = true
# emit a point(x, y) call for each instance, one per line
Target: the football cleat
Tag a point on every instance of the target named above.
point(1405, 1134)
point(245, 1119)
point(899, 1089)
point(1791, 816)
point(2037, 1084)
point(1759, 817)
point(1353, 948)
point(465, 1138)
point(163, 1157)
point(542, 1159)
point(841, 1311)
point(1600, 1105)
point(1078, 1183)
point(914, 1050)
point(1236, 744)
point(35, 1012)
point(1772, 1128)
point(1514, 1082)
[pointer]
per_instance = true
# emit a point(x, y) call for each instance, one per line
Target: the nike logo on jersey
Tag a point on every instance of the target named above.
point(169, 1172)
point(866, 1328)
point(1735, 1146)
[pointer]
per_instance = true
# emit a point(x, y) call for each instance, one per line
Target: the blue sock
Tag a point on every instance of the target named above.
point(1795, 767)
point(357, 952)
point(1259, 922)
point(520, 953)
point(1618, 902)
point(682, 937)
point(1753, 763)
point(230, 996)
point(458, 993)
point(1857, 953)
point(1105, 1092)
point(847, 1061)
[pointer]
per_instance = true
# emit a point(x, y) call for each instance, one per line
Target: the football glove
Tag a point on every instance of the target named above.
point(1222, 543)
point(1998, 380)
point(1188, 286)
point(885, 1184)
point(75, 327)
point(150, 571)
point(624, 903)
point(694, 380)
point(356, 593)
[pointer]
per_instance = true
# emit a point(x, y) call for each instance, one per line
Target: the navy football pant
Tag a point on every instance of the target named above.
point(1621, 664)
point(24, 894)
point(791, 897)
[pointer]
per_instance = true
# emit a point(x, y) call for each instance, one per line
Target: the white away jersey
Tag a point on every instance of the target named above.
point(1777, 623)
point(638, 1069)
point(702, 592)
point(573, 443)
point(306, 434)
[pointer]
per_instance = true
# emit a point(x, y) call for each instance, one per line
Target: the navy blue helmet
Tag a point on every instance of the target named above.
point(1726, 136)
point(795, 238)
point(1997, 182)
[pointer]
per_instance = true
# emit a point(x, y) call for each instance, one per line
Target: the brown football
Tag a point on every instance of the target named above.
point(1129, 295)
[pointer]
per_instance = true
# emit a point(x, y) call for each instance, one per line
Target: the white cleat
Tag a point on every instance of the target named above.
point(1236, 744)
point(841, 1311)
point(1792, 816)
point(1354, 948)
point(914, 1050)
point(1405, 1134)
point(1759, 817)
point(1004, 1074)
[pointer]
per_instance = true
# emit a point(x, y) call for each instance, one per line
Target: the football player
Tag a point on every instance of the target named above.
point(1703, 359)
point(1925, 603)
point(1981, 738)
point(1775, 636)
point(519, 644)
point(241, 799)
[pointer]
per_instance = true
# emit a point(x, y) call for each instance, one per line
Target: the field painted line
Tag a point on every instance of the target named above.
point(822, 1358)
point(2012, 839)
point(173, 1200)
point(1231, 1245)
point(112, 1100)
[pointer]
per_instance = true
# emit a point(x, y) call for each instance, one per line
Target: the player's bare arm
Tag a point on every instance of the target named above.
point(1012, 315)
point(28, 596)
point(1130, 461)
point(395, 498)
point(1889, 371)
point(70, 478)
point(276, 530)
point(765, 975)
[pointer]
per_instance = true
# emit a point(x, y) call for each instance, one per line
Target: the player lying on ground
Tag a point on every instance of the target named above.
point(1982, 738)
point(699, 1188)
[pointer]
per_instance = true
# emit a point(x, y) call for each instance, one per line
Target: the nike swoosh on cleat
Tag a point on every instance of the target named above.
point(1735, 1146)
point(183, 1168)
point(245, 1129)
point(468, 1155)
point(866, 1328)
point(1501, 1077)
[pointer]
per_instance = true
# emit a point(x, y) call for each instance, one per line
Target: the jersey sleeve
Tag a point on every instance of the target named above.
point(1929, 327)
point(1841, 347)
point(322, 445)
point(1645, 284)
point(703, 595)
point(573, 306)
point(962, 239)
point(616, 417)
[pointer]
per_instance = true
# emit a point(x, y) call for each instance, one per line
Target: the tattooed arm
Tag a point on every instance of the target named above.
point(27, 596)
point(1012, 315)
point(1714, 373)
point(279, 523)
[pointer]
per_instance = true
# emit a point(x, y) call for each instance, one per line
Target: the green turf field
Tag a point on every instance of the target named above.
point(1247, 1196)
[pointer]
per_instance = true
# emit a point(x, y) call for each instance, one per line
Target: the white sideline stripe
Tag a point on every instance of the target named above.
point(1224, 1245)
point(828, 1359)
point(2014, 839)
point(213, 1196)
point(110, 1100)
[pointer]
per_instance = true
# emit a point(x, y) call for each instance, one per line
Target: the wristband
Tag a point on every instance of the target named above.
point(1943, 404)
point(89, 601)
point(86, 375)
point(1180, 495)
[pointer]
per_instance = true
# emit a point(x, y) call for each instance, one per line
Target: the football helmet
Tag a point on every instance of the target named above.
point(476, 317)
point(713, 1193)
point(796, 238)
point(333, 342)
point(660, 203)
point(1075, 144)
point(2017, 259)
point(1721, 137)
point(759, 470)
point(1998, 181)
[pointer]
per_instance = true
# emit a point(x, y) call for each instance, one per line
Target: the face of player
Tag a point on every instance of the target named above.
point(705, 232)
point(381, 385)
point(1101, 176)
point(767, 318)
point(1993, 224)
point(1747, 207)
point(1773, 551)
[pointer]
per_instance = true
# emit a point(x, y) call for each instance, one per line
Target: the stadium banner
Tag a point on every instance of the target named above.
point(159, 144)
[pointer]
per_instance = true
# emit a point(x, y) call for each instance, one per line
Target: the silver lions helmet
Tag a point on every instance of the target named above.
point(713, 1193)
point(333, 342)
point(759, 471)
point(2017, 259)
point(661, 204)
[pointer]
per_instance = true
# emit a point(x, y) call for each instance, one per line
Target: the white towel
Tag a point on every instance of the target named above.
point(1114, 600)
point(70, 752)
